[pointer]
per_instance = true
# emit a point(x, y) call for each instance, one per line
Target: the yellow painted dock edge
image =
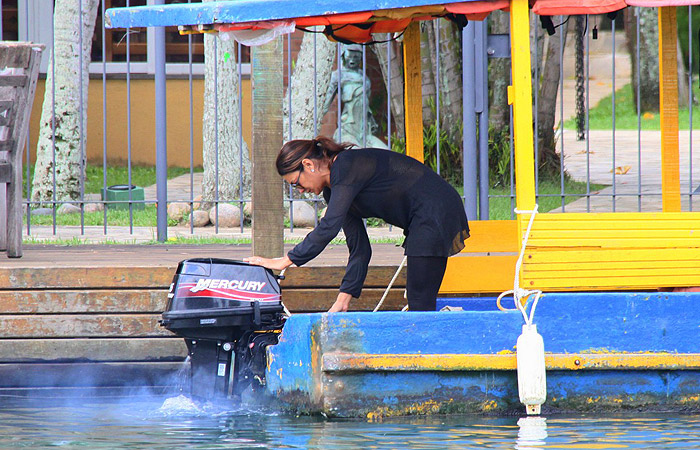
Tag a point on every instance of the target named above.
point(413, 97)
point(347, 362)
point(668, 99)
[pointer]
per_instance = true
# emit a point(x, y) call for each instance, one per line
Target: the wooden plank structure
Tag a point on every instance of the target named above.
point(19, 70)
point(94, 330)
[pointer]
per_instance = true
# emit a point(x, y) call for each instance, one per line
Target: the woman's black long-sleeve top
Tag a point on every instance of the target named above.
point(393, 187)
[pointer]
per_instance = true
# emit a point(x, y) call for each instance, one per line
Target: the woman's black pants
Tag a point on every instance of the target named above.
point(423, 278)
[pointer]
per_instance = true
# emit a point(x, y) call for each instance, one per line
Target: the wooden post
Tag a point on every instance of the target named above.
point(268, 213)
point(413, 94)
point(520, 96)
point(668, 102)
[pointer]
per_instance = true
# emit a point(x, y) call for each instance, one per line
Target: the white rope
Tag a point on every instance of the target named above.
point(391, 283)
point(522, 294)
point(286, 311)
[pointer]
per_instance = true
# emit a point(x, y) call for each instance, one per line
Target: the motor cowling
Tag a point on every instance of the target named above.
point(228, 312)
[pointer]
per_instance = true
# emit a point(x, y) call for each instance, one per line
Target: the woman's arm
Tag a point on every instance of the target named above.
point(270, 263)
point(339, 203)
point(359, 257)
point(342, 303)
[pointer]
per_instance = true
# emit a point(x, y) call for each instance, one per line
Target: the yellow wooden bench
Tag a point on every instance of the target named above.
point(487, 263)
point(611, 251)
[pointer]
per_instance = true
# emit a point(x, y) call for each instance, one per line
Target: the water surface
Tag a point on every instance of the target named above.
point(177, 423)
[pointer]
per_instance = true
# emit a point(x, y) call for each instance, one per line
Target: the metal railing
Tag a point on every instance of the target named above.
point(603, 157)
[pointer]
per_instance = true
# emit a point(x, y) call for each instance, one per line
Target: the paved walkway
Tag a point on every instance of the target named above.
point(600, 62)
point(633, 169)
point(627, 161)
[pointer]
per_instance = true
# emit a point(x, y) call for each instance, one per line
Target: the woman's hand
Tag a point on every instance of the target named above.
point(342, 302)
point(270, 263)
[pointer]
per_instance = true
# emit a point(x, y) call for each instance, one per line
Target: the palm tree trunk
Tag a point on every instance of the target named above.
point(549, 162)
point(499, 77)
point(450, 78)
point(428, 66)
point(392, 68)
point(225, 155)
point(302, 85)
point(648, 70)
point(64, 122)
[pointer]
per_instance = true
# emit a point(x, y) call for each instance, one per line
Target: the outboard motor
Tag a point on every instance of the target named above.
point(228, 312)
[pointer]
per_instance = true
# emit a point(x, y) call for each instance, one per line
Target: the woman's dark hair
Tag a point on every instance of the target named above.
point(320, 149)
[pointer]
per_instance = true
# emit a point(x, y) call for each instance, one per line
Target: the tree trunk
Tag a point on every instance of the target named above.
point(450, 78)
point(537, 57)
point(499, 77)
point(303, 86)
point(395, 68)
point(428, 65)
point(548, 161)
point(225, 155)
point(580, 81)
point(682, 78)
point(69, 73)
point(648, 82)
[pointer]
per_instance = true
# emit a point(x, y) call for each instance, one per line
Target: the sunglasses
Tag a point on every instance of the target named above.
point(296, 183)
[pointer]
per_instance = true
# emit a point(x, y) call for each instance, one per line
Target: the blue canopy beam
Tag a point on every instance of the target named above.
point(226, 12)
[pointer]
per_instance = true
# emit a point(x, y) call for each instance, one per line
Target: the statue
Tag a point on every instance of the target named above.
point(353, 100)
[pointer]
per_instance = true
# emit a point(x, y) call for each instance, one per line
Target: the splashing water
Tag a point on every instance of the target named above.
point(180, 405)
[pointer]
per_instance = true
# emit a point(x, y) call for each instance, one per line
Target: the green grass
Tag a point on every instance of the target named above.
point(600, 116)
point(141, 218)
point(140, 176)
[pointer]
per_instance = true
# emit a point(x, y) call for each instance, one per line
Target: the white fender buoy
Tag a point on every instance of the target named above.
point(532, 378)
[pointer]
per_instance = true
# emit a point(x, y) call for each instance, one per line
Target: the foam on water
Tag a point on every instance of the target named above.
point(180, 405)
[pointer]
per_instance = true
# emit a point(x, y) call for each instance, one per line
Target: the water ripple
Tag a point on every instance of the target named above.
point(180, 423)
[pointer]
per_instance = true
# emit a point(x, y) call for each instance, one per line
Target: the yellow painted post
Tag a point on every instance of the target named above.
point(520, 96)
point(668, 99)
point(413, 95)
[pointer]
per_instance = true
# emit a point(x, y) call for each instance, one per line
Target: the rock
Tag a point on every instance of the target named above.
point(67, 208)
point(93, 207)
point(229, 216)
point(197, 203)
point(201, 218)
point(42, 212)
point(248, 209)
point(304, 215)
point(177, 210)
